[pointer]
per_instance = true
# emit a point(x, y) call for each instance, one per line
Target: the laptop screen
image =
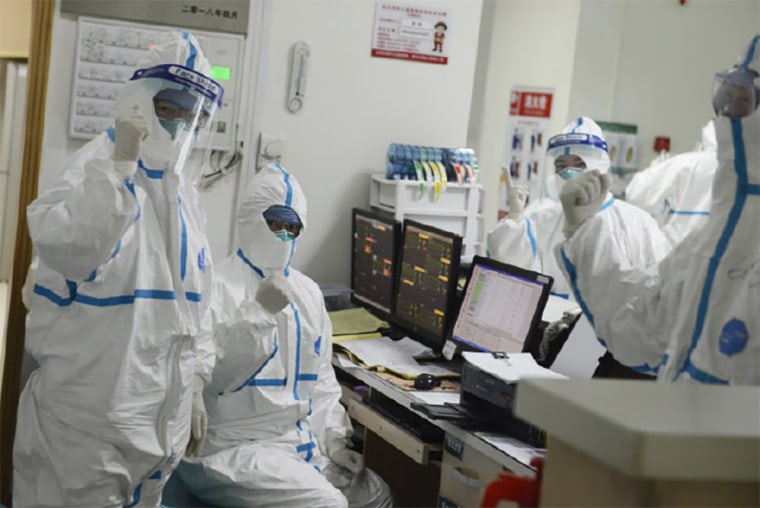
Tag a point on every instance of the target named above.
point(501, 306)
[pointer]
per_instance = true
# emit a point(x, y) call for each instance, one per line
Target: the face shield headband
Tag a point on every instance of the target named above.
point(563, 144)
point(185, 77)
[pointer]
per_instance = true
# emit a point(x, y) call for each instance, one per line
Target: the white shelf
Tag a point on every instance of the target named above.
point(457, 208)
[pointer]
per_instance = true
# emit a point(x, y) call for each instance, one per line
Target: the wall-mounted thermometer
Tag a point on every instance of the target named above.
point(299, 59)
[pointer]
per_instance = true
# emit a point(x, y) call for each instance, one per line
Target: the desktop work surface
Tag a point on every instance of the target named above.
point(509, 452)
point(432, 462)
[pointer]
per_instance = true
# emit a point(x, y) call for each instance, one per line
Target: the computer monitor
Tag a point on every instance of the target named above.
point(426, 288)
point(374, 252)
point(502, 304)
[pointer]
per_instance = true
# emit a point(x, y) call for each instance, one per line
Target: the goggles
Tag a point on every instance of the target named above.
point(283, 221)
point(735, 93)
point(285, 231)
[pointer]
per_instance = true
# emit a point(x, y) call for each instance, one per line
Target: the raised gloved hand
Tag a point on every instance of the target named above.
point(517, 195)
point(274, 293)
point(581, 197)
point(199, 419)
point(348, 459)
point(129, 131)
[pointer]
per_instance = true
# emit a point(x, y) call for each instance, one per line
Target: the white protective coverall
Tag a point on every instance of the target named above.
point(678, 191)
point(696, 313)
point(114, 322)
point(273, 402)
point(530, 242)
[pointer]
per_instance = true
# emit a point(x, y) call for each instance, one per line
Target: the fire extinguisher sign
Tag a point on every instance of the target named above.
point(533, 104)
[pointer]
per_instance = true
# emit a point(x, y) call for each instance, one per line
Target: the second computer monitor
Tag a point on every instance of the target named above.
point(426, 290)
point(501, 306)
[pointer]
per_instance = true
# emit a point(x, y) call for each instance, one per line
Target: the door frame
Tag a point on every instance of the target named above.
point(43, 13)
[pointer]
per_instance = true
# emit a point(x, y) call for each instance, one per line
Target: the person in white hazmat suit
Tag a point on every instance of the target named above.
point(696, 312)
point(526, 237)
point(277, 434)
point(123, 278)
point(677, 191)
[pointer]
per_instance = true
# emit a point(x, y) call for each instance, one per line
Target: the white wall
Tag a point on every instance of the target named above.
point(532, 43)
point(355, 106)
point(651, 63)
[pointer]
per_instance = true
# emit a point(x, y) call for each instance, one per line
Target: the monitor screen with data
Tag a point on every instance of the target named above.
point(428, 269)
point(374, 252)
point(501, 305)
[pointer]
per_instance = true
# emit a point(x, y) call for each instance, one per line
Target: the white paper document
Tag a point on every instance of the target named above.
point(513, 447)
point(512, 368)
point(437, 398)
point(394, 356)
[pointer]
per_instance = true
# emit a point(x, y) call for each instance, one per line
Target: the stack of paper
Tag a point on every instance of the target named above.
point(354, 322)
point(512, 368)
point(397, 356)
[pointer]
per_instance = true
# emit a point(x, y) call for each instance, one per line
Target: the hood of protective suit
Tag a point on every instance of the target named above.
point(594, 156)
point(160, 150)
point(738, 147)
point(272, 185)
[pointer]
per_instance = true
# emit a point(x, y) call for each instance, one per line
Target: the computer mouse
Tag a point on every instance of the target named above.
point(426, 382)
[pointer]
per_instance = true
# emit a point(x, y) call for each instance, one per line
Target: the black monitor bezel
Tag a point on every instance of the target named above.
point(428, 338)
point(388, 219)
point(516, 270)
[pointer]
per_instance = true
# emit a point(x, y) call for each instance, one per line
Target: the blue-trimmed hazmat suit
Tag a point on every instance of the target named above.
point(276, 424)
point(678, 190)
point(696, 312)
point(122, 281)
point(530, 241)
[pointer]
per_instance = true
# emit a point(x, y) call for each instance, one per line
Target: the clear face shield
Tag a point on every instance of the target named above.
point(181, 104)
point(736, 92)
point(573, 153)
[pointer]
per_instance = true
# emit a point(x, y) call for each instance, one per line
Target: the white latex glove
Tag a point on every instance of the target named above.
point(348, 459)
point(274, 293)
point(517, 195)
point(129, 131)
point(199, 419)
point(581, 197)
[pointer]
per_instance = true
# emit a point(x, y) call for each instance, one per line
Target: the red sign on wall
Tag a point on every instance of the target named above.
point(534, 104)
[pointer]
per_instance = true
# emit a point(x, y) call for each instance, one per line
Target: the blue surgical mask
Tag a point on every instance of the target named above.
point(569, 173)
point(283, 235)
point(172, 126)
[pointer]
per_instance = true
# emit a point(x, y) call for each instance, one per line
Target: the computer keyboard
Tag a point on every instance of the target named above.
point(408, 420)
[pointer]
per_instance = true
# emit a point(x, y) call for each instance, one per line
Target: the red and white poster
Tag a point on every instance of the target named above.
point(530, 112)
point(413, 33)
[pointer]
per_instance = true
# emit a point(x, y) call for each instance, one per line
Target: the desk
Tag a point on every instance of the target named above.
point(501, 452)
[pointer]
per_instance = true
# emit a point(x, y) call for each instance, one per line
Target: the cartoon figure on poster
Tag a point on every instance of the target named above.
point(439, 36)
point(529, 117)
